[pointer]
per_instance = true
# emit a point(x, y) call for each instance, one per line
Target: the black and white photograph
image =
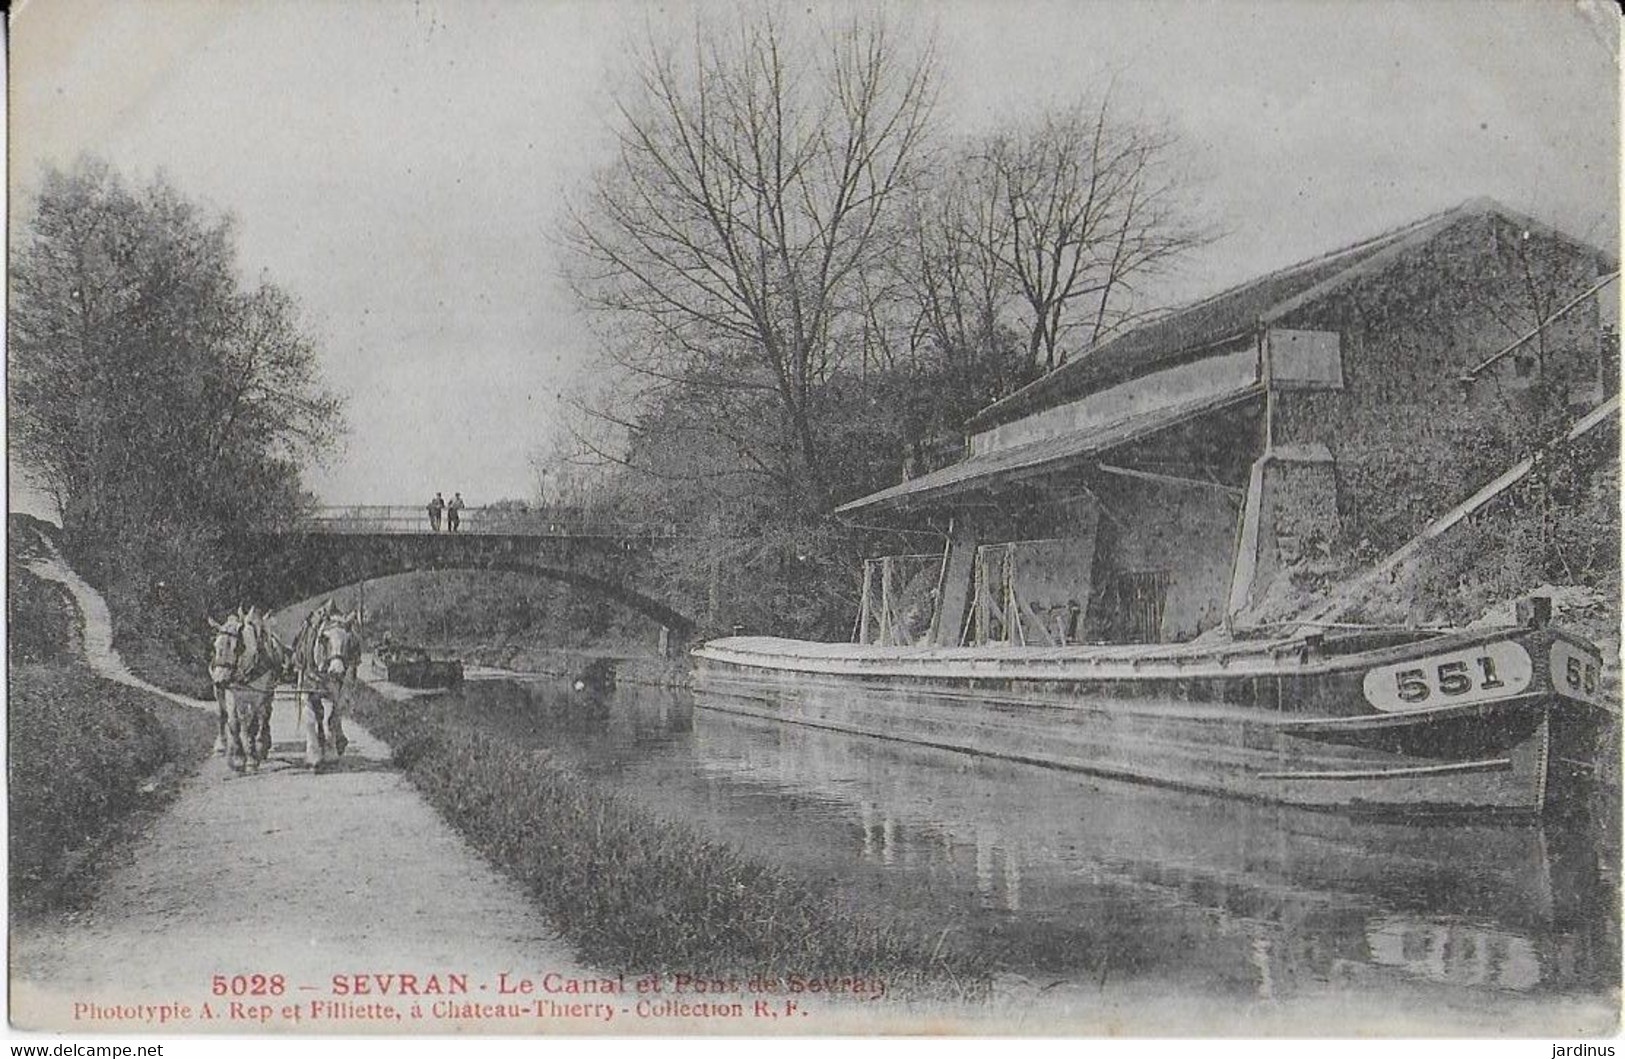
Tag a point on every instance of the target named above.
point(740, 519)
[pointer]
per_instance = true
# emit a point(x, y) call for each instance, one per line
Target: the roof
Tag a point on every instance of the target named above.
point(1046, 454)
point(1227, 317)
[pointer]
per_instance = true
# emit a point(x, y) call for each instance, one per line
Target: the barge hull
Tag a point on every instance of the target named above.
point(1296, 738)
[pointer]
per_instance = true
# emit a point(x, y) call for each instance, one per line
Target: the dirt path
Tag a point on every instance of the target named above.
point(283, 873)
point(96, 625)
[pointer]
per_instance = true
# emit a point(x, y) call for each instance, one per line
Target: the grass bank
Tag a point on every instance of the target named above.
point(633, 890)
point(89, 758)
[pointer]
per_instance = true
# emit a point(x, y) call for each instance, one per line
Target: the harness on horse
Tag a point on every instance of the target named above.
point(308, 653)
point(261, 666)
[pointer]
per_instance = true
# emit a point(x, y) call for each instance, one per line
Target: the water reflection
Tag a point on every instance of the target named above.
point(1065, 876)
point(1459, 955)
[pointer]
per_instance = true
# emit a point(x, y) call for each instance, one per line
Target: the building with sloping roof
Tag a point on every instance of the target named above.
point(1166, 482)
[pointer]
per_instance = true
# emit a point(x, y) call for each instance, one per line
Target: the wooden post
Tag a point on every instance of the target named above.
point(1012, 608)
point(1266, 375)
point(1244, 569)
point(863, 604)
point(886, 600)
point(984, 598)
point(957, 585)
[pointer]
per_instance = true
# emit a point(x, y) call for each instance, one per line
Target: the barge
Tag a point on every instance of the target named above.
point(1502, 721)
point(1125, 569)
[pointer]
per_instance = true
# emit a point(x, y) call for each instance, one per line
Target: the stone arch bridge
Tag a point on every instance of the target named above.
point(339, 546)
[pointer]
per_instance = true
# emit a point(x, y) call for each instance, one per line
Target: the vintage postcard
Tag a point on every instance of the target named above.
point(1026, 518)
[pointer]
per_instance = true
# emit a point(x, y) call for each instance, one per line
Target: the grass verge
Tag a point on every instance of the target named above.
point(163, 665)
point(89, 760)
point(633, 890)
point(41, 620)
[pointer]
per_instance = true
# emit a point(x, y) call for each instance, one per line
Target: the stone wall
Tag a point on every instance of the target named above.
point(1409, 437)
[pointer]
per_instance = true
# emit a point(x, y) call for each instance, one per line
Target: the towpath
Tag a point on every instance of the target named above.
point(350, 875)
point(283, 873)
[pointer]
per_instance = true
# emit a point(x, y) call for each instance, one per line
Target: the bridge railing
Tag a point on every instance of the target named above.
point(381, 518)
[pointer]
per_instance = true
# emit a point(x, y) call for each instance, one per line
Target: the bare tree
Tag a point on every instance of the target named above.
point(962, 288)
point(936, 339)
point(946, 295)
point(754, 182)
point(1080, 205)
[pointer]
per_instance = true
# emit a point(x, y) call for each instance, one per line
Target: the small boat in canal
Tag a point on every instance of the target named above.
point(1496, 721)
point(412, 667)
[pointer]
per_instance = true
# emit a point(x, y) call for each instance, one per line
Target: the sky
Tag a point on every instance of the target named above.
point(399, 165)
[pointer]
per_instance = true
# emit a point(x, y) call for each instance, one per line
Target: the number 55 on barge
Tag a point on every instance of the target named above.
point(1125, 583)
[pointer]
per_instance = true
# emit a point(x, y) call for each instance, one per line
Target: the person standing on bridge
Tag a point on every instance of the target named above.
point(436, 506)
point(454, 512)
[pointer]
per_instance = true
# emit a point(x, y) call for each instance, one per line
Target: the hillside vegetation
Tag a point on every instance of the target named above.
point(88, 758)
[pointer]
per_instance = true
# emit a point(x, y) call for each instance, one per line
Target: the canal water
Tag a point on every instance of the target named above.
point(1068, 880)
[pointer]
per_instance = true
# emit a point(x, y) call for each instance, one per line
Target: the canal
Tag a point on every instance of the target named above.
point(1074, 881)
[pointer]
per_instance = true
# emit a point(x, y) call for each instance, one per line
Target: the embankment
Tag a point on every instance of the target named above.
point(633, 889)
point(90, 759)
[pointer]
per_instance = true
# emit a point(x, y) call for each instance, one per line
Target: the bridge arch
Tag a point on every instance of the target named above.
point(279, 569)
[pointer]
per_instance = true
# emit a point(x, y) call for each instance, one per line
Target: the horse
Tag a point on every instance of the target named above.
point(246, 663)
point(327, 653)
